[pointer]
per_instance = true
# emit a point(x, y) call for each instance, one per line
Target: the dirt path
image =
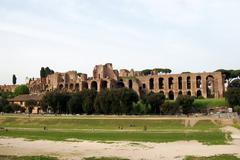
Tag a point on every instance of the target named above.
point(134, 151)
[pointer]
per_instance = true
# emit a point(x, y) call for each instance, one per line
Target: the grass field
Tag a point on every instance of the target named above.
point(99, 128)
point(26, 158)
point(218, 157)
point(205, 103)
point(52, 158)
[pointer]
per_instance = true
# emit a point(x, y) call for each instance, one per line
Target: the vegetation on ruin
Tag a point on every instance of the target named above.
point(44, 72)
point(22, 89)
point(230, 74)
point(158, 70)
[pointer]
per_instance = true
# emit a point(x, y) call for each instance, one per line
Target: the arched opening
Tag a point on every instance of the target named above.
point(198, 82)
point(151, 83)
point(210, 86)
point(144, 86)
point(161, 92)
point(61, 86)
point(84, 85)
point(179, 82)
point(171, 95)
point(188, 82)
point(104, 84)
point(94, 85)
point(199, 93)
point(77, 86)
point(120, 84)
point(189, 93)
point(170, 83)
point(71, 86)
point(66, 86)
point(130, 84)
point(161, 83)
point(180, 93)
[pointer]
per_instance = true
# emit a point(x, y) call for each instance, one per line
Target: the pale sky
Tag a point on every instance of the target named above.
point(184, 35)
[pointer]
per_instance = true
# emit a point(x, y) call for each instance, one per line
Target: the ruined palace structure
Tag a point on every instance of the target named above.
point(203, 84)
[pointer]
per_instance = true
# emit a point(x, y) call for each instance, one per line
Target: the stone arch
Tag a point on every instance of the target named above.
point(130, 84)
point(199, 93)
point(66, 86)
point(84, 85)
point(210, 86)
point(61, 86)
point(144, 86)
point(161, 92)
point(180, 93)
point(161, 83)
point(77, 86)
point(120, 84)
point(171, 95)
point(179, 82)
point(170, 83)
point(94, 85)
point(199, 81)
point(151, 83)
point(104, 84)
point(188, 82)
point(189, 93)
point(71, 86)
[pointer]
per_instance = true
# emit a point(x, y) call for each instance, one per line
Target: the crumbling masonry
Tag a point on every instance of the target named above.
point(204, 84)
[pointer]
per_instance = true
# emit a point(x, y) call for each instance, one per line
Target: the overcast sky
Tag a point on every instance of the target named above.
point(184, 35)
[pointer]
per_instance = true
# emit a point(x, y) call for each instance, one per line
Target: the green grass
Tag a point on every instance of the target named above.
point(27, 158)
point(218, 157)
point(104, 158)
point(210, 103)
point(210, 137)
point(99, 128)
point(205, 125)
point(88, 123)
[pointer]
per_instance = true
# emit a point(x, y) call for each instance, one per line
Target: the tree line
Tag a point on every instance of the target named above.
point(115, 101)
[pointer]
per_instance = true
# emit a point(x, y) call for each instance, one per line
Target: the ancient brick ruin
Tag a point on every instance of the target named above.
point(204, 84)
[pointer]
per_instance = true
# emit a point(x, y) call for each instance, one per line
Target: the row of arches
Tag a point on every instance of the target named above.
point(85, 85)
point(172, 96)
point(170, 82)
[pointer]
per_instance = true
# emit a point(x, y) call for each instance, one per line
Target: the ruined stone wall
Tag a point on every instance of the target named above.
point(104, 76)
point(104, 71)
point(7, 88)
point(186, 86)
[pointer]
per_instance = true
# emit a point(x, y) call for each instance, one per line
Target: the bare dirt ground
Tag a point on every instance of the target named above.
point(68, 150)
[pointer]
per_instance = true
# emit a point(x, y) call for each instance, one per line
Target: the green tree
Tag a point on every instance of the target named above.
point(16, 107)
point(42, 72)
point(103, 102)
point(233, 94)
point(155, 100)
point(229, 74)
point(75, 104)
point(22, 89)
point(30, 104)
point(88, 100)
point(146, 72)
point(128, 97)
point(57, 100)
point(14, 79)
point(186, 103)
